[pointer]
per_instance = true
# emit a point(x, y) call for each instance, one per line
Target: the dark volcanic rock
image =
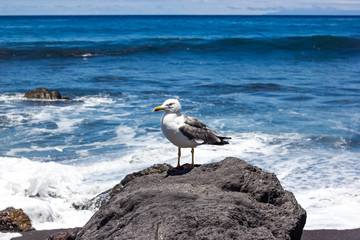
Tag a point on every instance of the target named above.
point(95, 202)
point(103, 197)
point(157, 168)
point(14, 220)
point(226, 200)
point(69, 234)
point(43, 93)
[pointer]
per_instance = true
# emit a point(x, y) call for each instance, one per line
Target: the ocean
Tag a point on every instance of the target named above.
point(285, 88)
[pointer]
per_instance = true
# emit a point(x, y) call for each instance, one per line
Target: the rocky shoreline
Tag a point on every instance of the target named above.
point(323, 234)
point(230, 199)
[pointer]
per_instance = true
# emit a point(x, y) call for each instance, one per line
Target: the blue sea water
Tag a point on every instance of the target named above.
point(285, 88)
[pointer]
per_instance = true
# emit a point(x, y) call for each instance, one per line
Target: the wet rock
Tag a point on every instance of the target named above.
point(103, 197)
point(14, 220)
point(226, 200)
point(95, 202)
point(44, 93)
point(155, 169)
point(69, 234)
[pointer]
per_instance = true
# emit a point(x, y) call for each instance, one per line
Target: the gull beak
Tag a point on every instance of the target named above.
point(159, 108)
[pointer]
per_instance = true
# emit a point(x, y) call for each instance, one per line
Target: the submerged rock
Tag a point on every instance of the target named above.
point(226, 200)
point(14, 220)
point(44, 93)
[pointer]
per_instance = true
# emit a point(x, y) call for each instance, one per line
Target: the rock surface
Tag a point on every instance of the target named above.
point(43, 93)
point(226, 200)
point(14, 220)
point(93, 203)
point(69, 234)
point(103, 197)
point(157, 168)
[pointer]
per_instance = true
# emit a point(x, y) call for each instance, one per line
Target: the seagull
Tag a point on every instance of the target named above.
point(184, 131)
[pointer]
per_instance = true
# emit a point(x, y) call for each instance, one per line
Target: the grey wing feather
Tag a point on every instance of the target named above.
point(194, 129)
point(193, 122)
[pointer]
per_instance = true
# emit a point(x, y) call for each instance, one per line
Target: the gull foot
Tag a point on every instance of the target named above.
point(188, 166)
point(176, 168)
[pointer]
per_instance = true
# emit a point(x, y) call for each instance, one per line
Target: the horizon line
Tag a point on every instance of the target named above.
point(222, 15)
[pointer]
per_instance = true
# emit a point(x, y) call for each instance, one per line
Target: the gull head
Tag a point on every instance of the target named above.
point(170, 106)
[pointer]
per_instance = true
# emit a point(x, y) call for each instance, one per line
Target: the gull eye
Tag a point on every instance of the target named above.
point(170, 104)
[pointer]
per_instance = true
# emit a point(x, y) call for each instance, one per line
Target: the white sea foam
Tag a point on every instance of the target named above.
point(90, 101)
point(334, 208)
point(325, 186)
point(11, 97)
point(8, 236)
point(46, 191)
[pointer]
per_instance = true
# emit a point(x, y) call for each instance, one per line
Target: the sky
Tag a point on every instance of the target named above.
point(186, 7)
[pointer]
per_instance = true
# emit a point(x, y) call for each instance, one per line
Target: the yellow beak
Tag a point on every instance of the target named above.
point(159, 108)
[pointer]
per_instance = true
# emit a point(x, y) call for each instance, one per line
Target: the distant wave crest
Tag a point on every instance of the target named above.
point(318, 43)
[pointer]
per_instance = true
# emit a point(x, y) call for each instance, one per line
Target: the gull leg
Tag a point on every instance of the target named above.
point(192, 157)
point(179, 155)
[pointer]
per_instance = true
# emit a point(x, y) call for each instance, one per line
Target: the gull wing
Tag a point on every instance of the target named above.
point(193, 129)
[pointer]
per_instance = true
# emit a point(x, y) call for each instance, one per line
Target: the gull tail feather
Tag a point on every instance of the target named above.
point(222, 141)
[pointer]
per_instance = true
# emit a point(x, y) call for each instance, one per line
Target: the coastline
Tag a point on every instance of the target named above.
point(72, 233)
point(321, 234)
